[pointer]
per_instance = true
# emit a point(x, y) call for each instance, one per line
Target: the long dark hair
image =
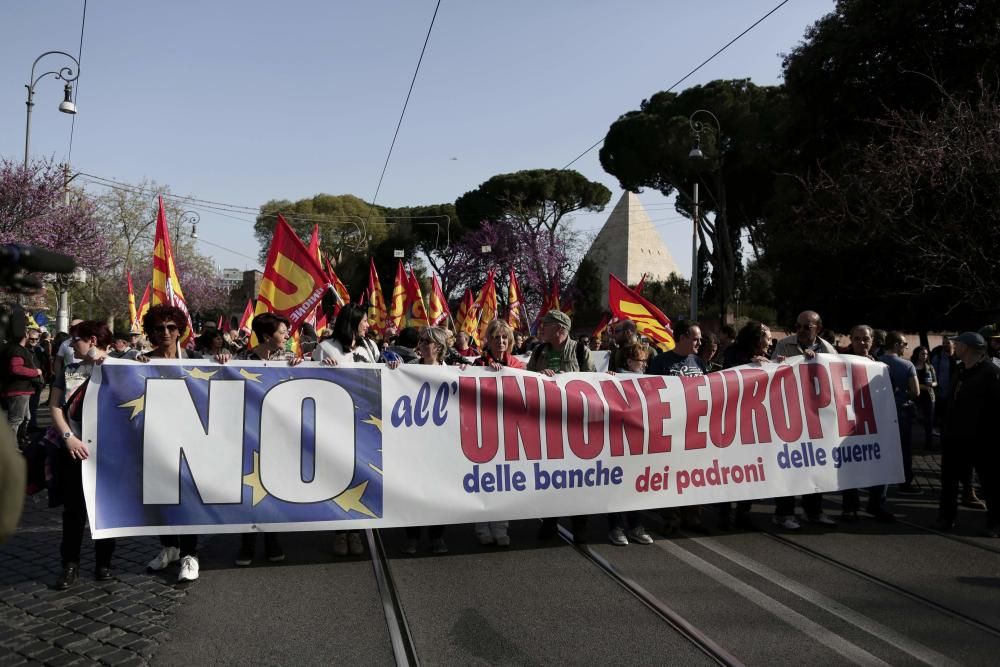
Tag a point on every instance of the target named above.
point(345, 328)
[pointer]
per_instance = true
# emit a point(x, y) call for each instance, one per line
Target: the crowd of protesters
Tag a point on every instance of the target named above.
point(954, 389)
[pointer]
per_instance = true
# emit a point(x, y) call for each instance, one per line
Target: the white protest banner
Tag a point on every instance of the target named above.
point(205, 448)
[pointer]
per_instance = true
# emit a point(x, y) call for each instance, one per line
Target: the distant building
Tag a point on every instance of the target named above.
point(629, 246)
point(231, 279)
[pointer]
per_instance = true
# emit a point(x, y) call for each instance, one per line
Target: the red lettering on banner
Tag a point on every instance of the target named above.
point(724, 388)
point(624, 417)
point(841, 398)
point(864, 411)
point(815, 382)
point(586, 438)
point(697, 407)
point(468, 410)
point(786, 410)
point(752, 410)
point(553, 420)
point(521, 417)
point(658, 412)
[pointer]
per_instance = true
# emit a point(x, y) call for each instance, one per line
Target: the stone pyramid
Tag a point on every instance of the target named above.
point(628, 246)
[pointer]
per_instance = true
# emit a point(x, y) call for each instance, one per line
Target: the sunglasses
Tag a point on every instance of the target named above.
point(172, 328)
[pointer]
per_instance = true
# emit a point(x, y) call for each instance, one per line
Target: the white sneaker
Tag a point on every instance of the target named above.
point(639, 534)
point(822, 519)
point(340, 544)
point(786, 522)
point(189, 569)
point(163, 559)
point(503, 540)
point(354, 545)
point(617, 537)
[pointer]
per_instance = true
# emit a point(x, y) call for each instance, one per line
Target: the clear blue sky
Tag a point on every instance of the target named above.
point(250, 100)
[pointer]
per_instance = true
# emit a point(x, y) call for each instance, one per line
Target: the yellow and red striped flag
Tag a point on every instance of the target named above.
point(166, 286)
point(397, 308)
point(377, 315)
point(437, 305)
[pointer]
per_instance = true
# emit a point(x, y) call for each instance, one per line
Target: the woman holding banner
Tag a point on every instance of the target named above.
point(165, 326)
point(90, 344)
point(497, 354)
point(348, 345)
point(349, 342)
point(431, 349)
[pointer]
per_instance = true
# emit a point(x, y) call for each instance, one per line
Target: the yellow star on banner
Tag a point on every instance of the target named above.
point(351, 500)
point(253, 481)
point(374, 421)
point(199, 374)
point(253, 377)
point(138, 405)
point(372, 466)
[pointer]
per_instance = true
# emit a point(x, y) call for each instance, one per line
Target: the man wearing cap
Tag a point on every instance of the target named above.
point(971, 434)
point(558, 353)
point(992, 336)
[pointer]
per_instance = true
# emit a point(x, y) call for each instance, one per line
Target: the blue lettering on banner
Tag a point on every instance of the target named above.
point(416, 411)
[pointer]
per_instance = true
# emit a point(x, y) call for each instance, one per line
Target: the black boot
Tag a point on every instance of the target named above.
point(70, 573)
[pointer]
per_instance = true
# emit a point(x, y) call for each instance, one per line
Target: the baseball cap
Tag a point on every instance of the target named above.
point(970, 338)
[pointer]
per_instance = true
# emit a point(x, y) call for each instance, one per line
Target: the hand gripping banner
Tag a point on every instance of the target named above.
point(199, 447)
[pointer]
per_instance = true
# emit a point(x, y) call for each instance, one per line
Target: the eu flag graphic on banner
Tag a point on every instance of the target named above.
point(204, 445)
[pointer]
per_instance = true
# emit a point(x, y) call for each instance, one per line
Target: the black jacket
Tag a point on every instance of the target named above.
point(974, 414)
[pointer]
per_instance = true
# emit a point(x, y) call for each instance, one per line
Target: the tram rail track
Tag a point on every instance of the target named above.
point(404, 648)
point(681, 625)
point(884, 583)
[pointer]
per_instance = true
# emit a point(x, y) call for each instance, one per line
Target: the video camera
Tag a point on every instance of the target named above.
point(17, 263)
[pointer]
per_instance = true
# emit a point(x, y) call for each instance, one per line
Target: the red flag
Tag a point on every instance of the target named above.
point(377, 315)
point(219, 324)
point(466, 320)
point(246, 322)
point(340, 291)
point(227, 324)
point(416, 312)
point(397, 308)
point(437, 306)
point(601, 328)
point(649, 320)
point(487, 305)
point(293, 282)
point(142, 309)
point(514, 302)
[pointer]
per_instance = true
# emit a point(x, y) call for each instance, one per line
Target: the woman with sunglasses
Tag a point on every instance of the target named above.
point(90, 343)
point(431, 349)
point(165, 326)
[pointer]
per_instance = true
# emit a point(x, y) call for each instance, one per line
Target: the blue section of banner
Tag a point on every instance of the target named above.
point(120, 447)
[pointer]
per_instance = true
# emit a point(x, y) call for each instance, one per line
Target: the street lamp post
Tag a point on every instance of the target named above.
point(67, 74)
point(697, 127)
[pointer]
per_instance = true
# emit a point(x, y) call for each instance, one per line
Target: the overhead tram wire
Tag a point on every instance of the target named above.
point(692, 72)
point(406, 103)
point(222, 208)
point(76, 90)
